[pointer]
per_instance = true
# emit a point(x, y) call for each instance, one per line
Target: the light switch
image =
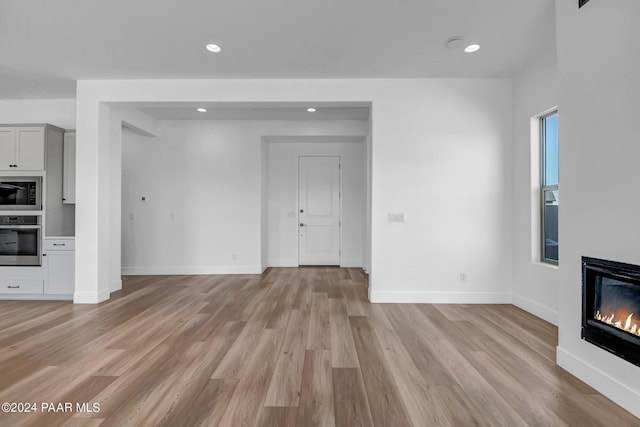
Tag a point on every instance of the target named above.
point(395, 217)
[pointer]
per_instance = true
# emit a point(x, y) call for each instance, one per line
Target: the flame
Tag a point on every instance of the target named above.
point(630, 327)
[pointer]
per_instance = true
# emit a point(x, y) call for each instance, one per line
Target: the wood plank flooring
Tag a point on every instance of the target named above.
point(291, 347)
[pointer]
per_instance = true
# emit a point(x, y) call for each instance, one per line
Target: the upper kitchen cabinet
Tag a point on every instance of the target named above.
point(69, 169)
point(22, 148)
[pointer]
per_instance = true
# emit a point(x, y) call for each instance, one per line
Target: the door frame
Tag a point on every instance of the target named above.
point(340, 204)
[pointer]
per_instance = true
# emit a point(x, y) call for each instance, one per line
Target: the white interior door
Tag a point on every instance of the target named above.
point(319, 210)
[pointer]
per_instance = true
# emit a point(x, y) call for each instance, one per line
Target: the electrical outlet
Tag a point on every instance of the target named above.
point(463, 277)
point(234, 257)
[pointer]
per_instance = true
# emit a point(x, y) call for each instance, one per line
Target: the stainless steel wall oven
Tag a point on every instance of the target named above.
point(20, 240)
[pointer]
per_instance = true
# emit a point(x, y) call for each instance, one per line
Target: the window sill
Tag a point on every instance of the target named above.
point(546, 264)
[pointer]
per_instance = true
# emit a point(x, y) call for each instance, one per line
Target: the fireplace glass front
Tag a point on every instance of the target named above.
point(611, 307)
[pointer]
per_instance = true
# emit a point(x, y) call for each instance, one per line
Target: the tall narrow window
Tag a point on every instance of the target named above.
point(549, 186)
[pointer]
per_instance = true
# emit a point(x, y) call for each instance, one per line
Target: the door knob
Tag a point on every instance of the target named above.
point(301, 225)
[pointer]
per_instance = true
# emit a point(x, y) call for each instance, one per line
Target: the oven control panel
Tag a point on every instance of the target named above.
point(20, 220)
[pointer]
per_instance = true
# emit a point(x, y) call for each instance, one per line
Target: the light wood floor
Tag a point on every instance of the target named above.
point(293, 347)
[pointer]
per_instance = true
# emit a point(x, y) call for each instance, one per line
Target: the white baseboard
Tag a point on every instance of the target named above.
point(91, 297)
point(189, 270)
point(294, 263)
point(538, 310)
point(116, 285)
point(611, 388)
point(283, 264)
point(441, 297)
point(351, 265)
point(37, 297)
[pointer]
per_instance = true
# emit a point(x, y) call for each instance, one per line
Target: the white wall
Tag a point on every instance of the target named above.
point(535, 284)
point(203, 184)
point(599, 103)
point(134, 122)
point(440, 153)
point(282, 190)
point(366, 262)
point(264, 206)
point(57, 112)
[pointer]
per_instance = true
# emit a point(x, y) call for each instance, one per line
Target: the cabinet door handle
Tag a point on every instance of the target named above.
point(13, 287)
point(59, 244)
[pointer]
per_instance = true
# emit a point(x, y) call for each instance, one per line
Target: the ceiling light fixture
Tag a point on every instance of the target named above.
point(311, 110)
point(472, 48)
point(201, 110)
point(213, 48)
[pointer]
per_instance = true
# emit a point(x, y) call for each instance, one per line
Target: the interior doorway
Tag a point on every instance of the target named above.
point(290, 184)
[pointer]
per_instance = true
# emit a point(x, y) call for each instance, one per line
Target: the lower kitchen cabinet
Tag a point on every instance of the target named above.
point(20, 286)
point(59, 260)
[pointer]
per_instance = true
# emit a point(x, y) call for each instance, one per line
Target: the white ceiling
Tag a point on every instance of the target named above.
point(46, 45)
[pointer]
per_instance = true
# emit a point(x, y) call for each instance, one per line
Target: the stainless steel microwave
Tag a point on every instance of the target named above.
point(20, 193)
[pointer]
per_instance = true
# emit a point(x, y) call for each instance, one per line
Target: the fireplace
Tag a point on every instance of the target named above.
point(611, 307)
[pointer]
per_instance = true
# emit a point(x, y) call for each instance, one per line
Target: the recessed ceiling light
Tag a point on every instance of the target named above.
point(454, 42)
point(213, 48)
point(201, 110)
point(311, 110)
point(472, 48)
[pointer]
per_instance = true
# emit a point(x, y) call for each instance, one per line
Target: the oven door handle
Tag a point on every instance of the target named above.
point(20, 227)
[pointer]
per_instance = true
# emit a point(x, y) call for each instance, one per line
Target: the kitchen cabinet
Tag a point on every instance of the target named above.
point(20, 286)
point(22, 148)
point(59, 259)
point(69, 169)
point(59, 215)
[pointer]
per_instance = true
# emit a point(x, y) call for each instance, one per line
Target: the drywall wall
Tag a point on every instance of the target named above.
point(366, 262)
point(599, 101)
point(264, 206)
point(133, 122)
point(440, 153)
point(535, 284)
point(57, 112)
point(282, 164)
point(202, 181)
